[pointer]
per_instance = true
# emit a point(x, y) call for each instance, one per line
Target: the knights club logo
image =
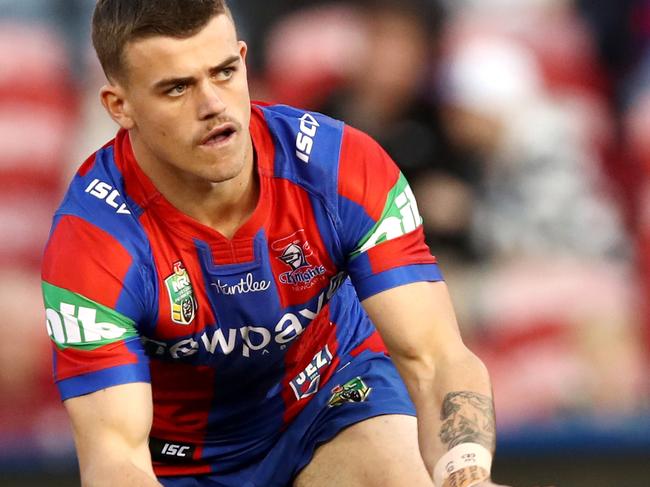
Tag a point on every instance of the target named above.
point(294, 255)
point(294, 251)
point(181, 295)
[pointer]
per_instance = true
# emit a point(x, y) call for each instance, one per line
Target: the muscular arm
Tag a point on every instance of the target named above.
point(111, 431)
point(449, 385)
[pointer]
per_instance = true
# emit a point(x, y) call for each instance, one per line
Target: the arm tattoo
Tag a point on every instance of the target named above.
point(467, 417)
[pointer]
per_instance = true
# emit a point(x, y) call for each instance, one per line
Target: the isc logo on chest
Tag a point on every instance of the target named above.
point(305, 138)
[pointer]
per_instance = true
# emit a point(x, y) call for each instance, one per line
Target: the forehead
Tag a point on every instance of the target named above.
point(162, 56)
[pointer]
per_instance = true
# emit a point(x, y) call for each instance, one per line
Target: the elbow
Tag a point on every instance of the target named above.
point(464, 364)
point(418, 370)
point(470, 360)
point(426, 372)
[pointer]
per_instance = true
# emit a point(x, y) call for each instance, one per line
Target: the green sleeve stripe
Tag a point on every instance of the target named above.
point(400, 216)
point(74, 321)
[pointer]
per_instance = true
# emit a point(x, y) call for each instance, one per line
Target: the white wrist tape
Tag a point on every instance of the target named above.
point(460, 457)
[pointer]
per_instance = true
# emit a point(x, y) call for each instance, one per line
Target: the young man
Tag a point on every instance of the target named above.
point(205, 276)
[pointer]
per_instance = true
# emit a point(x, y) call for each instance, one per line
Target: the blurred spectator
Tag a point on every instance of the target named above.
point(636, 120)
point(556, 299)
point(618, 31)
point(384, 91)
point(542, 188)
point(257, 20)
point(303, 68)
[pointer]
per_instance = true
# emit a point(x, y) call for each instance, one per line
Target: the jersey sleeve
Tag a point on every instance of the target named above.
point(381, 228)
point(93, 295)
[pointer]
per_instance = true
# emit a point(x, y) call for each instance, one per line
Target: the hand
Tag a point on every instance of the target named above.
point(489, 483)
point(462, 481)
point(470, 477)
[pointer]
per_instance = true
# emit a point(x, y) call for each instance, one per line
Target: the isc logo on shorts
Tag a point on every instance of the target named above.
point(173, 450)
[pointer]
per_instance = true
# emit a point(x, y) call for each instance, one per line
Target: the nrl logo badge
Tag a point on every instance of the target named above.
point(354, 390)
point(181, 295)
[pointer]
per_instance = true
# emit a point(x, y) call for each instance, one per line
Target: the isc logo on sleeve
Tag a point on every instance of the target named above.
point(105, 192)
point(305, 138)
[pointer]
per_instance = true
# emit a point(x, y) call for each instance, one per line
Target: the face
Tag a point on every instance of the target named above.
point(186, 105)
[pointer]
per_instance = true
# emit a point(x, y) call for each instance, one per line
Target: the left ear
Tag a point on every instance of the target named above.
point(113, 97)
point(243, 50)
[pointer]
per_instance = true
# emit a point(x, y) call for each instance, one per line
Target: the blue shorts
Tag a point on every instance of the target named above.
point(369, 386)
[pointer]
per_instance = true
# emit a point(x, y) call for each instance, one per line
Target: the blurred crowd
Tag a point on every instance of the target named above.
point(522, 125)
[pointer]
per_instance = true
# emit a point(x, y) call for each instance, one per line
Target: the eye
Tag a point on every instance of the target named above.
point(177, 90)
point(227, 73)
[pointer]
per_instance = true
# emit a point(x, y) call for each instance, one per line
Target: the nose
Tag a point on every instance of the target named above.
point(210, 103)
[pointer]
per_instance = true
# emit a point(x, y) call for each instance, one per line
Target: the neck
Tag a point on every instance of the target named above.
point(224, 206)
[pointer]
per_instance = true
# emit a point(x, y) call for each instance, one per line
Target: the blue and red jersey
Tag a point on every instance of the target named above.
point(234, 335)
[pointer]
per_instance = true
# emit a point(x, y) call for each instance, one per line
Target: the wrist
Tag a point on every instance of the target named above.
point(463, 466)
point(466, 477)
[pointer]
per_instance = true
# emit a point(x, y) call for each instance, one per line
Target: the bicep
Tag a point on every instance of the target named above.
point(112, 425)
point(416, 321)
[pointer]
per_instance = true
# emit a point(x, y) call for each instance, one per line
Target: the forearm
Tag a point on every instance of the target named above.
point(453, 400)
point(448, 384)
point(112, 447)
point(110, 460)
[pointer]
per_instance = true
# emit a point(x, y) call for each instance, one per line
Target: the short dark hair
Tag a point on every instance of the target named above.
point(118, 22)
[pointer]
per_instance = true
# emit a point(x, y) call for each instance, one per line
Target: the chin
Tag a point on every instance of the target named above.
point(220, 175)
point(220, 179)
point(219, 169)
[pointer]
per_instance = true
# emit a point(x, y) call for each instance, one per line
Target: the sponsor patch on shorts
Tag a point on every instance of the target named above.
point(354, 390)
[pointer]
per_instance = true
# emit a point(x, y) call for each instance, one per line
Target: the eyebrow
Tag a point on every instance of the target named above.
point(170, 82)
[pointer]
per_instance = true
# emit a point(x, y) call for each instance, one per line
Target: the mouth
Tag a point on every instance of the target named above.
point(219, 135)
